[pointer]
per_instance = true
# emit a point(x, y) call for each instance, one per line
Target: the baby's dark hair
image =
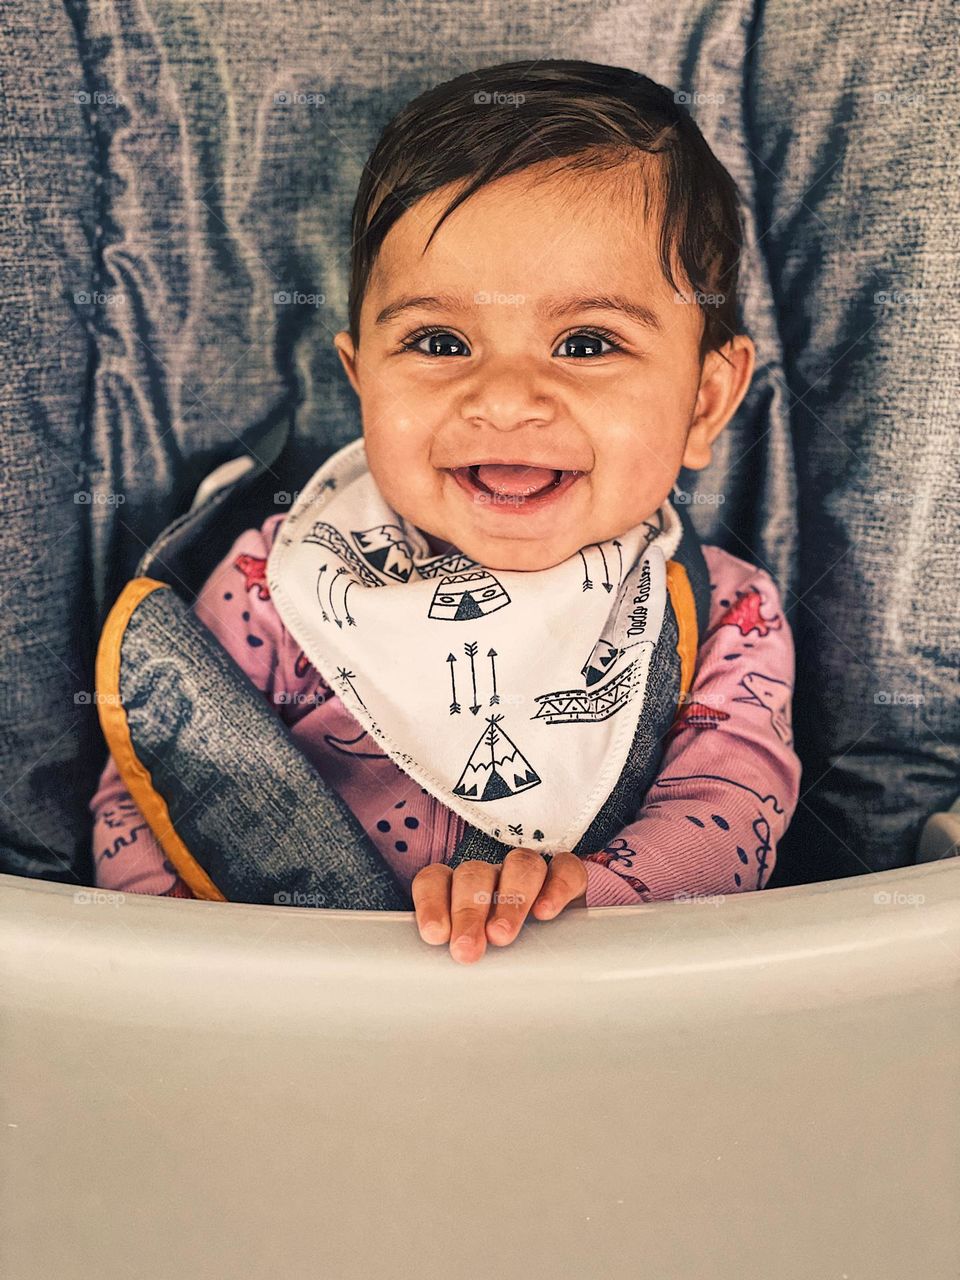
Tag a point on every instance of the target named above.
point(600, 116)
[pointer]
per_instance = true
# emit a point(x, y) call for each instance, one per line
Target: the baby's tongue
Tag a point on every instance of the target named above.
point(516, 481)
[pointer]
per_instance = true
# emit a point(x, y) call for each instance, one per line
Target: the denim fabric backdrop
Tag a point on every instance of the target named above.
point(176, 173)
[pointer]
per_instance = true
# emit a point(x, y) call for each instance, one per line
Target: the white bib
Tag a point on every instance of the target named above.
point(512, 696)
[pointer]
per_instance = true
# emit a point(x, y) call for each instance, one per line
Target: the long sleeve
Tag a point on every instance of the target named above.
point(126, 855)
point(729, 778)
point(234, 603)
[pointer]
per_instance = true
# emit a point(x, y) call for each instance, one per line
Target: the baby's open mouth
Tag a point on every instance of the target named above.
point(513, 480)
point(501, 491)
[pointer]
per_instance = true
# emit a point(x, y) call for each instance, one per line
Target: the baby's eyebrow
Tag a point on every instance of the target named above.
point(552, 308)
point(555, 308)
point(438, 301)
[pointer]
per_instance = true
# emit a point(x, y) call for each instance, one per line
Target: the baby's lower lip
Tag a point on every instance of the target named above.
point(511, 504)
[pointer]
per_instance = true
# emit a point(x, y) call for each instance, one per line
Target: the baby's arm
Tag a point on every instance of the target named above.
point(729, 779)
point(234, 603)
point(126, 854)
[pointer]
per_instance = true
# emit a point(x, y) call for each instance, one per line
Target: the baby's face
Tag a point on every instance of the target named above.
point(522, 370)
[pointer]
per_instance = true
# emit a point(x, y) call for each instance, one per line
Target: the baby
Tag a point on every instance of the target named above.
point(542, 331)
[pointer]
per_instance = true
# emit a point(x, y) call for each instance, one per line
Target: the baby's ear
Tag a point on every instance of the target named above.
point(348, 357)
point(724, 381)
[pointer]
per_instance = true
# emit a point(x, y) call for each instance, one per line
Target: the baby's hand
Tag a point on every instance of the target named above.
point(523, 882)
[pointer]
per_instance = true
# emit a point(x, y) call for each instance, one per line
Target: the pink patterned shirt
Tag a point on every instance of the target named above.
point(709, 823)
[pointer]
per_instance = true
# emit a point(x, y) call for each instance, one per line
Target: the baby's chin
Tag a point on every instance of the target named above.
point(519, 554)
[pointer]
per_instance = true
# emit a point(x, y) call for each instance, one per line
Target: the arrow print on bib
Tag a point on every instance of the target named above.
point(348, 617)
point(346, 678)
point(606, 583)
point(470, 650)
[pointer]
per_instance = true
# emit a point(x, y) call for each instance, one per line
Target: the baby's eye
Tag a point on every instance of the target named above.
point(593, 340)
point(440, 340)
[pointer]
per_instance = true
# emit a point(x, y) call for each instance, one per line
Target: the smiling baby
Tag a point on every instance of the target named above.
point(543, 329)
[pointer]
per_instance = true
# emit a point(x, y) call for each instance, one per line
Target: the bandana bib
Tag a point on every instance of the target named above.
point(512, 696)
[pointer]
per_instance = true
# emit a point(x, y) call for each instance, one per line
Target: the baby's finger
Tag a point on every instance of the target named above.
point(470, 897)
point(521, 877)
point(566, 880)
point(431, 901)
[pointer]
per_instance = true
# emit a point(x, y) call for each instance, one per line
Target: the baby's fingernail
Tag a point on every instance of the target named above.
point(432, 931)
point(502, 927)
point(547, 908)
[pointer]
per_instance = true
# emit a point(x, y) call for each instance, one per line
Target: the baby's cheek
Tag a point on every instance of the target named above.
point(409, 483)
point(613, 506)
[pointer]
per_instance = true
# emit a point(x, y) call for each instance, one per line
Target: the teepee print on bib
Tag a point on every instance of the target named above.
point(512, 696)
